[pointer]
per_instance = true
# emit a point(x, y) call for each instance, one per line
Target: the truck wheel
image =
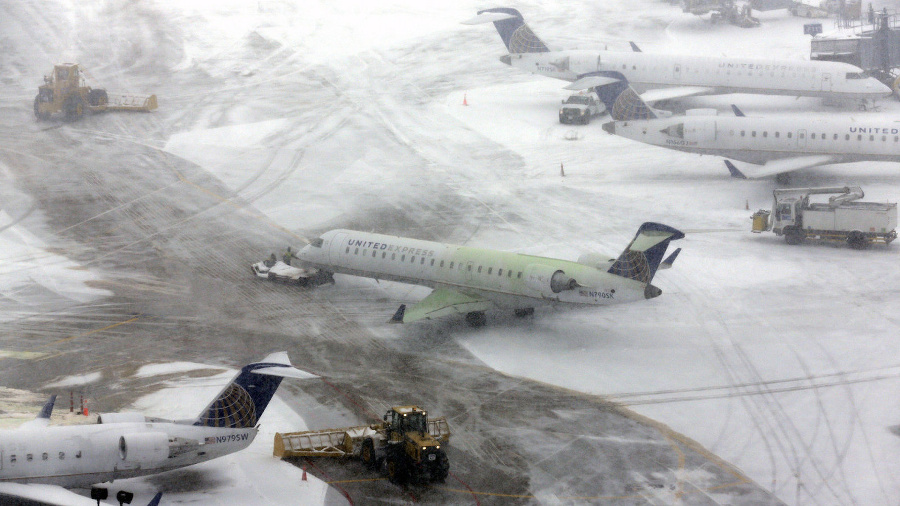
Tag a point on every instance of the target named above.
point(73, 108)
point(396, 469)
point(793, 236)
point(441, 469)
point(367, 454)
point(857, 240)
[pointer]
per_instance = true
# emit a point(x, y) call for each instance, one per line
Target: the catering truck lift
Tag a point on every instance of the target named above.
point(407, 445)
point(843, 218)
point(65, 91)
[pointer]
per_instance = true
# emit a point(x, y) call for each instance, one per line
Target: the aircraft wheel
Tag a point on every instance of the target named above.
point(476, 319)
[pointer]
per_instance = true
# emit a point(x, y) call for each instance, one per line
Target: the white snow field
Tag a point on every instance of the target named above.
point(782, 360)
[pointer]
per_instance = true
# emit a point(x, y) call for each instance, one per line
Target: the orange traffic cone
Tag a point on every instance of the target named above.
point(464, 99)
point(304, 474)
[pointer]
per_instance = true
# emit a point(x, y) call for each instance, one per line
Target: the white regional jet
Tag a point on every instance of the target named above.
point(471, 281)
point(662, 76)
point(774, 145)
point(38, 461)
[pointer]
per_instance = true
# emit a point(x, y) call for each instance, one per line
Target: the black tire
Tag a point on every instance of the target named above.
point(857, 240)
point(441, 469)
point(397, 469)
point(793, 236)
point(367, 454)
point(73, 108)
point(98, 97)
point(476, 319)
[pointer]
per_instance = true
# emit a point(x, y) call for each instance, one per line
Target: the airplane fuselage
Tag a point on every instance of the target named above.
point(82, 455)
point(646, 71)
point(761, 139)
point(509, 280)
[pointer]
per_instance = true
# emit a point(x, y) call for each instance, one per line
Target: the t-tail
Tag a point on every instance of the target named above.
point(512, 28)
point(240, 404)
point(622, 102)
point(644, 254)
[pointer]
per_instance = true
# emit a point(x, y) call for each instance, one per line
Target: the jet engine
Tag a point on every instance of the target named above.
point(548, 280)
point(146, 449)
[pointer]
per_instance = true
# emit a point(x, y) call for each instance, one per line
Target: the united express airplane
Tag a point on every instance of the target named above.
point(662, 77)
point(774, 145)
point(39, 461)
point(471, 281)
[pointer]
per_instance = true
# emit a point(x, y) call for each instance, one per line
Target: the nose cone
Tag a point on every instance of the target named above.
point(881, 87)
point(609, 127)
point(506, 59)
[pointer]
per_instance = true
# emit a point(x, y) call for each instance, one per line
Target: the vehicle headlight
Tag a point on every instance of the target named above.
point(562, 111)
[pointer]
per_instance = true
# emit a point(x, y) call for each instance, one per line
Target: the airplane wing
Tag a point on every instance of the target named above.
point(51, 495)
point(773, 167)
point(678, 92)
point(588, 82)
point(445, 302)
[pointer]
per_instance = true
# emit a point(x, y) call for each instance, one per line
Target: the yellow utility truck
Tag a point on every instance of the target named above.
point(65, 91)
point(407, 445)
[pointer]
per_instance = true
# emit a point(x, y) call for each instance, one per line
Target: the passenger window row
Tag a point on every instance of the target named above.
point(44, 456)
point(412, 259)
point(812, 136)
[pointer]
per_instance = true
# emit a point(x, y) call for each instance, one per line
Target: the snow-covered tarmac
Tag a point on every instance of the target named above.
point(781, 360)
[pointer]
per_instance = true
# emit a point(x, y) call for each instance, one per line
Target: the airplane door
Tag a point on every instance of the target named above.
point(676, 72)
point(334, 250)
point(826, 82)
point(801, 138)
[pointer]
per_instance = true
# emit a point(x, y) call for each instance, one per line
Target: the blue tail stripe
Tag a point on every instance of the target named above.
point(243, 401)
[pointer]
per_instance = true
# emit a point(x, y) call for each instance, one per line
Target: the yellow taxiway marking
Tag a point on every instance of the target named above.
point(114, 325)
point(21, 355)
point(336, 482)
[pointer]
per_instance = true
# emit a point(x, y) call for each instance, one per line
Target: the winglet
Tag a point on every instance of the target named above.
point(398, 316)
point(667, 263)
point(735, 173)
point(644, 253)
point(155, 500)
point(634, 47)
point(737, 112)
point(48, 408)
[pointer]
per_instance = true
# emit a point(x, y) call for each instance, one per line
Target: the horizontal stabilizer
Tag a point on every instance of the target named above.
point(444, 302)
point(590, 81)
point(488, 17)
point(667, 263)
point(659, 94)
point(781, 166)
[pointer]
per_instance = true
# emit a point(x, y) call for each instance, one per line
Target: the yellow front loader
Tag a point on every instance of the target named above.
point(65, 91)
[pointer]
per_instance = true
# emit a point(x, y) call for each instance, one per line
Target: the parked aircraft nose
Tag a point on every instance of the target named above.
point(609, 127)
point(506, 59)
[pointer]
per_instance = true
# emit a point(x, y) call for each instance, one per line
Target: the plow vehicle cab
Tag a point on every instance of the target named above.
point(65, 91)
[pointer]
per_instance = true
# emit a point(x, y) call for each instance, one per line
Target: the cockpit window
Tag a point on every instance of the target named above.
point(317, 243)
point(857, 75)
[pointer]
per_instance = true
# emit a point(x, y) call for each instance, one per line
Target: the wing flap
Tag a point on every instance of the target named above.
point(672, 93)
point(445, 302)
point(783, 165)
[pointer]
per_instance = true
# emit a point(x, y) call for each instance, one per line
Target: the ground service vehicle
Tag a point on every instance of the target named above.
point(280, 271)
point(65, 91)
point(580, 108)
point(407, 445)
point(842, 218)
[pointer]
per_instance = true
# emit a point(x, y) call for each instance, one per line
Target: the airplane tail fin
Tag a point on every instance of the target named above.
point(240, 404)
point(622, 102)
point(517, 36)
point(642, 257)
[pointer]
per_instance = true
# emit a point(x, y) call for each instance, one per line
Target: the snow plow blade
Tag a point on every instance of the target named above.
point(145, 103)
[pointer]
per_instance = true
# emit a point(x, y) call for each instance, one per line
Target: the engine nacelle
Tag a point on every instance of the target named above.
point(121, 418)
point(548, 280)
point(596, 260)
point(145, 449)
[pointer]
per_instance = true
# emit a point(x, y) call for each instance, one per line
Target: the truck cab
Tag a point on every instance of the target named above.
point(580, 108)
point(787, 214)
